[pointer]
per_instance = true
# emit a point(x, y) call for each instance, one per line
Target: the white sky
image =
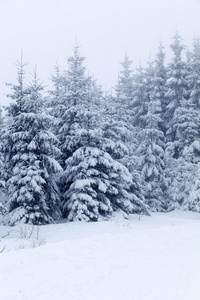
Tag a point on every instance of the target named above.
point(46, 30)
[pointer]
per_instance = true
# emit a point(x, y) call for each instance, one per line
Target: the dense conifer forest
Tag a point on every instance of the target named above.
point(79, 153)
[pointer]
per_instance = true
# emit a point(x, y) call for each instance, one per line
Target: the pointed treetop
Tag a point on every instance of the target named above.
point(160, 56)
point(20, 69)
point(177, 46)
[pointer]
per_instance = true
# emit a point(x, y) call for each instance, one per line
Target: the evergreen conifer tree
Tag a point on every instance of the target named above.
point(176, 84)
point(151, 157)
point(29, 151)
point(139, 97)
point(194, 74)
point(74, 95)
point(119, 124)
point(124, 87)
point(159, 83)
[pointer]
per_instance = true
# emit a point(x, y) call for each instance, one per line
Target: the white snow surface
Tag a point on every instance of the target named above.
point(143, 258)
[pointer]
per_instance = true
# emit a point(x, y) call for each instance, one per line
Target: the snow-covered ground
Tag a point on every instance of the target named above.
point(145, 258)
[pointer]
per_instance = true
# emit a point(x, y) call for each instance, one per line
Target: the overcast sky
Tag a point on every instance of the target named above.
point(47, 29)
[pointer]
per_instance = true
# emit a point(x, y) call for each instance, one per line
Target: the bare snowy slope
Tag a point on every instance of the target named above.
point(147, 258)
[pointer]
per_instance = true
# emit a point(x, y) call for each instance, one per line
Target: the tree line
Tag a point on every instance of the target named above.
point(82, 154)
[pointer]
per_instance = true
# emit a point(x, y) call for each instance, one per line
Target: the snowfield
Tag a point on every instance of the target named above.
point(144, 258)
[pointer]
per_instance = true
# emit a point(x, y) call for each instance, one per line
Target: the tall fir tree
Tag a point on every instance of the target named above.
point(194, 74)
point(176, 84)
point(120, 114)
point(151, 157)
point(76, 86)
point(124, 89)
point(139, 103)
point(57, 99)
point(29, 150)
point(159, 83)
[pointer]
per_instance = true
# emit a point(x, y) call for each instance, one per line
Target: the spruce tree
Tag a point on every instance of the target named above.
point(97, 185)
point(57, 99)
point(124, 87)
point(74, 93)
point(176, 84)
point(194, 75)
point(118, 125)
point(159, 83)
point(29, 150)
point(139, 104)
point(151, 157)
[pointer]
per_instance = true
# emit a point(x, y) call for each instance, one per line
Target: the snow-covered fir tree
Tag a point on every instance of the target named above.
point(74, 94)
point(188, 135)
point(183, 154)
point(194, 75)
point(176, 84)
point(57, 100)
point(29, 151)
point(95, 184)
point(151, 153)
point(124, 89)
point(149, 73)
point(139, 104)
point(117, 122)
point(116, 133)
point(159, 83)
point(182, 126)
point(186, 125)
